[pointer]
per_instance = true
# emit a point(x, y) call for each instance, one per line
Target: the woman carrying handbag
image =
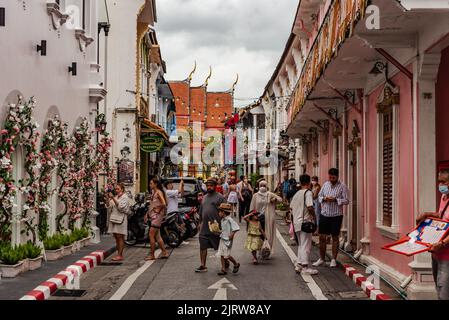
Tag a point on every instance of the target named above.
point(118, 220)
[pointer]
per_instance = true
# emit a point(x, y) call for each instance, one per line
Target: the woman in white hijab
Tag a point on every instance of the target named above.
point(264, 202)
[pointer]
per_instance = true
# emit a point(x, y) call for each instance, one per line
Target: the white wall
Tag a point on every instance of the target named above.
point(44, 77)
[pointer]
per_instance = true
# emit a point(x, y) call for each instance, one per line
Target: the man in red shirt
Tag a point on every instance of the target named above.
point(440, 250)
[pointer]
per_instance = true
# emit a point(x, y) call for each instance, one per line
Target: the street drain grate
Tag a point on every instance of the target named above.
point(69, 293)
point(111, 263)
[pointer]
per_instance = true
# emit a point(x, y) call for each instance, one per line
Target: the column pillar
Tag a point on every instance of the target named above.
point(425, 165)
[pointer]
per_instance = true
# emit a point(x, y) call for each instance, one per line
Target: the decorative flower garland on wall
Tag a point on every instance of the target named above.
point(77, 172)
point(50, 158)
point(20, 129)
point(77, 168)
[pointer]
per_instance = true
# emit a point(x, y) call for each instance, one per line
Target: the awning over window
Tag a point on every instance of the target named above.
point(150, 127)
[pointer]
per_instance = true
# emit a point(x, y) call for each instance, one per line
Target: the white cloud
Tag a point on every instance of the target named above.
point(233, 36)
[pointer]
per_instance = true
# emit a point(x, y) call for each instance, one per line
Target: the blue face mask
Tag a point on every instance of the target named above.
point(444, 189)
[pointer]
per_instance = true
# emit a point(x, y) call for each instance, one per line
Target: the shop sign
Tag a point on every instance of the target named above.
point(153, 143)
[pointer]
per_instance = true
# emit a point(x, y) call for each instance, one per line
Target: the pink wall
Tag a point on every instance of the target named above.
point(405, 172)
point(442, 106)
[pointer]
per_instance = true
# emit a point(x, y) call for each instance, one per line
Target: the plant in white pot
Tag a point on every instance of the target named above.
point(11, 262)
point(67, 242)
point(53, 248)
point(34, 255)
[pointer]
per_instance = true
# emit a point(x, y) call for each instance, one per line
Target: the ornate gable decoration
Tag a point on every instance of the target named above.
point(388, 98)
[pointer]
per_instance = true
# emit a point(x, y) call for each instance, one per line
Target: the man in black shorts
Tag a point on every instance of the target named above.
point(209, 213)
point(333, 196)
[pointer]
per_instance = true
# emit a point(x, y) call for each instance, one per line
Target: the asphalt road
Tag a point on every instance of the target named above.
point(175, 279)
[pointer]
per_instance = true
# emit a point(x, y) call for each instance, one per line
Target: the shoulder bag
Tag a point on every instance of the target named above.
point(307, 226)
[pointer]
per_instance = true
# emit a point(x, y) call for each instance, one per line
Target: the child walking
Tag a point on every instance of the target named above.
point(228, 230)
point(254, 240)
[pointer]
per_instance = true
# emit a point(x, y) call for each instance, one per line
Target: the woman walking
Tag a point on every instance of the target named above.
point(233, 198)
point(156, 214)
point(119, 207)
point(316, 188)
point(264, 202)
point(245, 194)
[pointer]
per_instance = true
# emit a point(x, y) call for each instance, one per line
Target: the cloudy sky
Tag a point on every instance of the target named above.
point(233, 36)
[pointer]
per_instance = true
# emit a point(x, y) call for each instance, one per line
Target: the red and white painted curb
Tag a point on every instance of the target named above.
point(74, 271)
point(360, 280)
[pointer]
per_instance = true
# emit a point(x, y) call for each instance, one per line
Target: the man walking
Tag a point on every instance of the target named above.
point(333, 196)
point(302, 209)
point(285, 188)
point(440, 250)
point(209, 215)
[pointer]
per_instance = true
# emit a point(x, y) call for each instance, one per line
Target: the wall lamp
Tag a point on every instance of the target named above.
point(42, 48)
point(378, 68)
point(72, 69)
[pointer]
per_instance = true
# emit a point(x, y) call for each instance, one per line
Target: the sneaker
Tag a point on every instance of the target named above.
point(309, 271)
point(201, 269)
point(222, 273)
point(318, 263)
point(298, 268)
point(236, 268)
point(333, 263)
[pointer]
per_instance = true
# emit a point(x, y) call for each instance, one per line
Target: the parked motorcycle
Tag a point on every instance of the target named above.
point(190, 218)
point(138, 229)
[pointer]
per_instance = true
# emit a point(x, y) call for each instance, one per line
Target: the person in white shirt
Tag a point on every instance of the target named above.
point(173, 195)
point(302, 210)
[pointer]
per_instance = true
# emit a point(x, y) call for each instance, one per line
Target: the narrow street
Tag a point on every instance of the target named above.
point(175, 279)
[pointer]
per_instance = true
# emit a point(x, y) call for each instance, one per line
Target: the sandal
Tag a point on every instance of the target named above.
point(117, 258)
point(236, 268)
point(201, 269)
point(164, 256)
point(222, 273)
point(150, 258)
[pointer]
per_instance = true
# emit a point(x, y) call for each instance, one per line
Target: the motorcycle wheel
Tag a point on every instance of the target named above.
point(131, 239)
point(173, 239)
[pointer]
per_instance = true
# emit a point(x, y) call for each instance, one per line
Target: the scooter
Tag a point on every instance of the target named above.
point(139, 230)
point(191, 221)
point(170, 230)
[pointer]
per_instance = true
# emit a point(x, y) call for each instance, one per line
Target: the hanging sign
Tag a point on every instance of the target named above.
point(153, 143)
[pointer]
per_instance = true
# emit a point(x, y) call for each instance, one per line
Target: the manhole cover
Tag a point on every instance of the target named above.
point(352, 295)
point(69, 293)
point(111, 263)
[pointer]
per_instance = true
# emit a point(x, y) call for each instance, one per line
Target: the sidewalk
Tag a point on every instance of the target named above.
point(15, 288)
point(343, 259)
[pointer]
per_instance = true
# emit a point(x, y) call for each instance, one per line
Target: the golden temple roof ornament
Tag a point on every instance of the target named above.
point(206, 83)
point(189, 78)
point(234, 84)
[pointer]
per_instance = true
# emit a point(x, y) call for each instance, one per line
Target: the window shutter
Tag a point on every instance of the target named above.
point(2, 17)
point(387, 196)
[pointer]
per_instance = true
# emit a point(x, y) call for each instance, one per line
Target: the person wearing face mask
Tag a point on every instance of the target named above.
point(316, 188)
point(264, 202)
point(440, 250)
point(208, 213)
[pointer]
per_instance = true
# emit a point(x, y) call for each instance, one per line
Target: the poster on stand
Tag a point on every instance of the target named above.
point(421, 239)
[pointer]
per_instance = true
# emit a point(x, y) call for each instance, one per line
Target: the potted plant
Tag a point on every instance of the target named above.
point(67, 242)
point(53, 248)
point(85, 233)
point(34, 255)
point(11, 262)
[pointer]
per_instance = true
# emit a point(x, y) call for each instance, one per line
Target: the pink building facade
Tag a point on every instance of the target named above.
point(369, 95)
